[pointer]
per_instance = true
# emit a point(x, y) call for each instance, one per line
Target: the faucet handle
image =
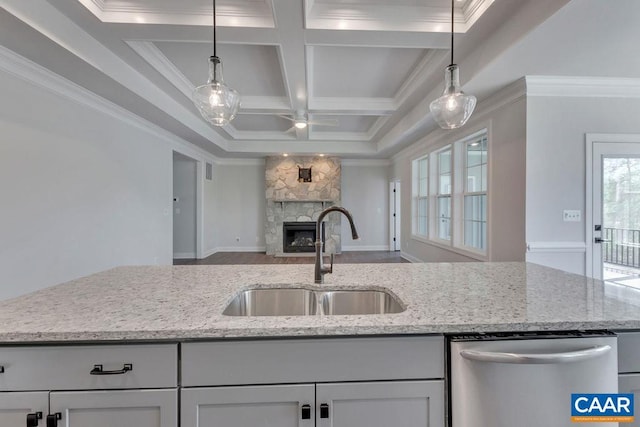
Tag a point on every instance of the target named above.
point(331, 266)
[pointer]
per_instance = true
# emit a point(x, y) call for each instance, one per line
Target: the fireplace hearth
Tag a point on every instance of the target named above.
point(300, 236)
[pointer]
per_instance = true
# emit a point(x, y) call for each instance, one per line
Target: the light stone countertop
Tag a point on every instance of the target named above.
point(186, 302)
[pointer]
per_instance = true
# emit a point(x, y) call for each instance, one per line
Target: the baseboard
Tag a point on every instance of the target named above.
point(410, 258)
point(184, 255)
point(241, 249)
point(365, 248)
point(209, 252)
point(568, 247)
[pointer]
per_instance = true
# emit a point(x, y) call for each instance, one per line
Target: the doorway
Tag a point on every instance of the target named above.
point(185, 172)
point(613, 231)
point(394, 216)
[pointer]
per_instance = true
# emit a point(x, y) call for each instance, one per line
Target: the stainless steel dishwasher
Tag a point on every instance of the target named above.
point(526, 380)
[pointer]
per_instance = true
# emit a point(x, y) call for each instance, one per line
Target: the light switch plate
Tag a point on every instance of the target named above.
point(571, 216)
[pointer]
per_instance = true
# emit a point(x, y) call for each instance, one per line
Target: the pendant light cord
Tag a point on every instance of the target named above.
point(451, 31)
point(214, 28)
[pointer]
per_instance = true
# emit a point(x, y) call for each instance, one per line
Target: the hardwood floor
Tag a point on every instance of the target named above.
point(351, 257)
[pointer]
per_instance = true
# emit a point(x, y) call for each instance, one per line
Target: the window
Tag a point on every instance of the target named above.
point(444, 194)
point(450, 195)
point(475, 193)
point(420, 195)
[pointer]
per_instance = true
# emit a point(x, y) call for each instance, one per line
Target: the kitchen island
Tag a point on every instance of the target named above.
point(186, 302)
point(149, 346)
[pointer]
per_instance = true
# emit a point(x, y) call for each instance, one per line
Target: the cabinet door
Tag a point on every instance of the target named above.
point(14, 407)
point(630, 383)
point(380, 404)
point(139, 408)
point(259, 406)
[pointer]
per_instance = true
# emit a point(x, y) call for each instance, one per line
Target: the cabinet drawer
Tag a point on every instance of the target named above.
point(69, 368)
point(629, 352)
point(319, 360)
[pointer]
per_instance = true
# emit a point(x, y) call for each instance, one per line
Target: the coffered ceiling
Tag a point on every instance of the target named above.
point(362, 70)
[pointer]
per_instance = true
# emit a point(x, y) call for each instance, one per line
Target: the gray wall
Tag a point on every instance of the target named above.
point(365, 193)
point(239, 206)
point(556, 173)
point(506, 210)
point(238, 197)
point(184, 209)
point(82, 191)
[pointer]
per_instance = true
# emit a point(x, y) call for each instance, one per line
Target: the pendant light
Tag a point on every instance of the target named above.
point(216, 101)
point(453, 108)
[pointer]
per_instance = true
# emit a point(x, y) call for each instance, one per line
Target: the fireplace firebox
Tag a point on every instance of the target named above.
point(300, 236)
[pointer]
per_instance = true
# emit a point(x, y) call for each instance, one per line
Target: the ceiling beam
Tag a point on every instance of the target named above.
point(288, 15)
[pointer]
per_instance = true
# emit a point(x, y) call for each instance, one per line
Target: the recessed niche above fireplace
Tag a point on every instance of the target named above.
point(300, 236)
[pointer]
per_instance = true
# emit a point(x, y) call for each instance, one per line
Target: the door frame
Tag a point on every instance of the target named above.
point(591, 139)
point(395, 200)
point(199, 214)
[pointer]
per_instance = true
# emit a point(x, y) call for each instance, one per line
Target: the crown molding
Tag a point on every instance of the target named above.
point(256, 14)
point(239, 162)
point(384, 17)
point(32, 73)
point(365, 162)
point(154, 56)
point(588, 87)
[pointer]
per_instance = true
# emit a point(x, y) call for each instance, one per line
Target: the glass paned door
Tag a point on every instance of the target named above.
point(615, 226)
point(621, 220)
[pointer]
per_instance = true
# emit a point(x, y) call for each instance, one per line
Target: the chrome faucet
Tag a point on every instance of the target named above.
point(321, 269)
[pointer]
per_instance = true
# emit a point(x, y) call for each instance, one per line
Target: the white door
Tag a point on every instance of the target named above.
point(394, 216)
point(16, 408)
point(248, 406)
point(380, 404)
point(613, 218)
point(186, 184)
point(139, 408)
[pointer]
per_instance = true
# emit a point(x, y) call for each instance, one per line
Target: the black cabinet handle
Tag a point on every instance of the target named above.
point(1, 369)
point(52, 419)
point(97, 370)
point(324, 410)
point(32, 419)
point(306, 412)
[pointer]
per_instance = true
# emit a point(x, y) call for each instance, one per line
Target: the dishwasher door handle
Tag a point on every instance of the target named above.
point(534, 358)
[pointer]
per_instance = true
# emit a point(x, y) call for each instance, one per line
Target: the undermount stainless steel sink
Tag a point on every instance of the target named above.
point(273, 302)
point(310, 302)
point(359, 302)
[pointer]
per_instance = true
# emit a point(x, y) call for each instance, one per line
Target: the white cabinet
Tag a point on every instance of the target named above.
point(334, 382)
point(139, 408)
point(16, 407)
point(380, 404)
point(323, 382)
point(121, 385)
point(282, 406)
point(370, 404)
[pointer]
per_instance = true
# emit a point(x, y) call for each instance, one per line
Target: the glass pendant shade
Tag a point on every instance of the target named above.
point(453, 108)
point(216, 101)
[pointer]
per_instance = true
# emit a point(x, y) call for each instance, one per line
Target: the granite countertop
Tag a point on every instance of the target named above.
point(186, 302)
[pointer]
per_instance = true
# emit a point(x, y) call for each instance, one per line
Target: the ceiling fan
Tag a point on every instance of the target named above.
point(300, 121)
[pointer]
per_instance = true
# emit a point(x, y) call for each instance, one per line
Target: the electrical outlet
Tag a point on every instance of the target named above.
point(571, 216)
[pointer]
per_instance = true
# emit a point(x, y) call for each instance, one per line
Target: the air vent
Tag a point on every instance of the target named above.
point(209, 171)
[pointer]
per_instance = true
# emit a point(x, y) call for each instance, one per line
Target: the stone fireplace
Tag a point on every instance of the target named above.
point(291, 200)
